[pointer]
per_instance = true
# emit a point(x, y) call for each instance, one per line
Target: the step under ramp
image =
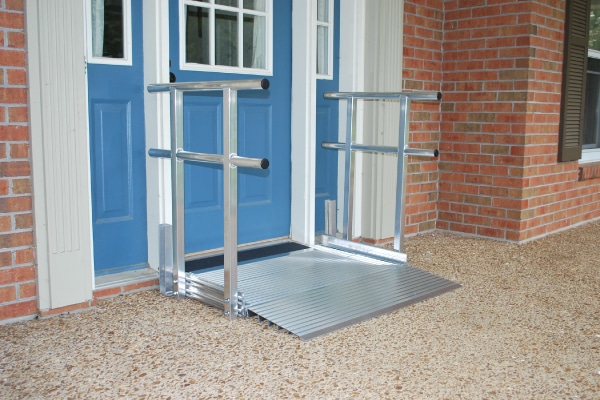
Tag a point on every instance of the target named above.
point(318, 290)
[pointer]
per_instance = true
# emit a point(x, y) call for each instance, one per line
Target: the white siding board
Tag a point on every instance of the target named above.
point(60, 151)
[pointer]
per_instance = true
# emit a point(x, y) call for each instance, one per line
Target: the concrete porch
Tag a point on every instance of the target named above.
point(525, 324)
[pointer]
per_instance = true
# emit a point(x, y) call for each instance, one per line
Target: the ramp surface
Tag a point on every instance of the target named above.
point(318, 290)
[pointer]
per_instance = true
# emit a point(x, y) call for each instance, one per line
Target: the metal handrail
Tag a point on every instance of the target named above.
point(210, 86)
point(384, 95)
point(247, 162)
point(230, 161)
point(380, 149)
point(402, 150)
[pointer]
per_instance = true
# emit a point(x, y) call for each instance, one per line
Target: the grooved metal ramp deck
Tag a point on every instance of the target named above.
point(318, 290)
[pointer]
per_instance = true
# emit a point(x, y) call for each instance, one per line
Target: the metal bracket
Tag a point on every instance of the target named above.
point(165, 255)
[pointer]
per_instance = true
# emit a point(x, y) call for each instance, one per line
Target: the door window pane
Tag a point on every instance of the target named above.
point(107, 28)
point(258, 5)
point(323, 10)
point(324, 38)
point(234, 37)
point(226, 38)
point(197, 35)
point(230, 3)
point(109, 32)
point(322, 50)
point(254, 41)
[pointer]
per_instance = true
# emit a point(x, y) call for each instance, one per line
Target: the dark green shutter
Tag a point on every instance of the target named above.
point(574, 74)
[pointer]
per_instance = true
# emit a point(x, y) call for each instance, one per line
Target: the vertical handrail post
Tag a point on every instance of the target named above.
point(348, 223)
point(233, 301)
point(403, 140)
point(230, 202)
point(177, 191)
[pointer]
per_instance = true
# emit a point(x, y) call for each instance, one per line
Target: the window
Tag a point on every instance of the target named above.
point(109, 32)
point(226, 36)
point(591, 130)
point(324, 25)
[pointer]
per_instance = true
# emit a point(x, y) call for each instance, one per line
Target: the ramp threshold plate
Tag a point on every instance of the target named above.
point(319, 290)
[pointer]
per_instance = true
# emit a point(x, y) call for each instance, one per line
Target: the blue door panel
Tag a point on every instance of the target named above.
point(112, 160)
point(203, 183)
point(118, 159)
point(255, 186)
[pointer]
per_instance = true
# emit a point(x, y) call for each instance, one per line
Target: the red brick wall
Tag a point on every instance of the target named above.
point(18, 295)
point(501, 69)
point(485, 113)
point(423, 54)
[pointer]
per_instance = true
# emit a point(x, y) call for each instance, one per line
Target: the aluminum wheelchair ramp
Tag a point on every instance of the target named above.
point(318, 290)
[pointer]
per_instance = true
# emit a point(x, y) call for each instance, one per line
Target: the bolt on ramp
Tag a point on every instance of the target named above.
point(318, 290)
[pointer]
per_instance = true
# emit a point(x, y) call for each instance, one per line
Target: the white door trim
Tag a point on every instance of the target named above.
point(304, 88)
point(157, 122)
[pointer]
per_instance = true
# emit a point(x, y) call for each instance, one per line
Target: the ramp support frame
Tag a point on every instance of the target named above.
point(173, 273)
point(402, 151)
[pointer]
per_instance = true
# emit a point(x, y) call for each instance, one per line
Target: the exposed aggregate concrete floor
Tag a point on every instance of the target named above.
point(524, 325)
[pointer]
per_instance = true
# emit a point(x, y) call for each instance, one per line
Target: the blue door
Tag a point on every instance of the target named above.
point(227, 40)
point(116, 125)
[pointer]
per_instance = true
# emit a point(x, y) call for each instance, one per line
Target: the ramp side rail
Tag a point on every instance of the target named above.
point(231, 299)
point(402, 150)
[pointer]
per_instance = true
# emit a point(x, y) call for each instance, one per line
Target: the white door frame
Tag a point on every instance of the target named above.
point(157, 122)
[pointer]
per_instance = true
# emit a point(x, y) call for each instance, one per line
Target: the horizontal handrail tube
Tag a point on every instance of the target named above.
point(207, 86)
point(421, 152)
point(360, 147)
point(246, 162)
point(159, 153)
point(384, 95)
point(258, 163)
point(200, 157)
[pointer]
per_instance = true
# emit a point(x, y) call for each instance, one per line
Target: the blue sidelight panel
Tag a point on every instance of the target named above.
point(118, 159)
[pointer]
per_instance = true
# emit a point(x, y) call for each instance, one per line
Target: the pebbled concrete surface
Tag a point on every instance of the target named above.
point(524, 325)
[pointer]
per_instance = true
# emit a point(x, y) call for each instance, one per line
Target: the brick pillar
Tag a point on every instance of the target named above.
point(17, 272)
point(499, 175)
point(422, 71)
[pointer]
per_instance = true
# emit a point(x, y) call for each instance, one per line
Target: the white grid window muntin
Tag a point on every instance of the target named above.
point(91, 38)
point(324, 34)
point(211, 7)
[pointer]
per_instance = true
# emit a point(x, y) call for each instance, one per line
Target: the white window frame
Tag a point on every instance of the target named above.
point(127, 59)
point(591, 155)
point(268, 14)
point(330, 33)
